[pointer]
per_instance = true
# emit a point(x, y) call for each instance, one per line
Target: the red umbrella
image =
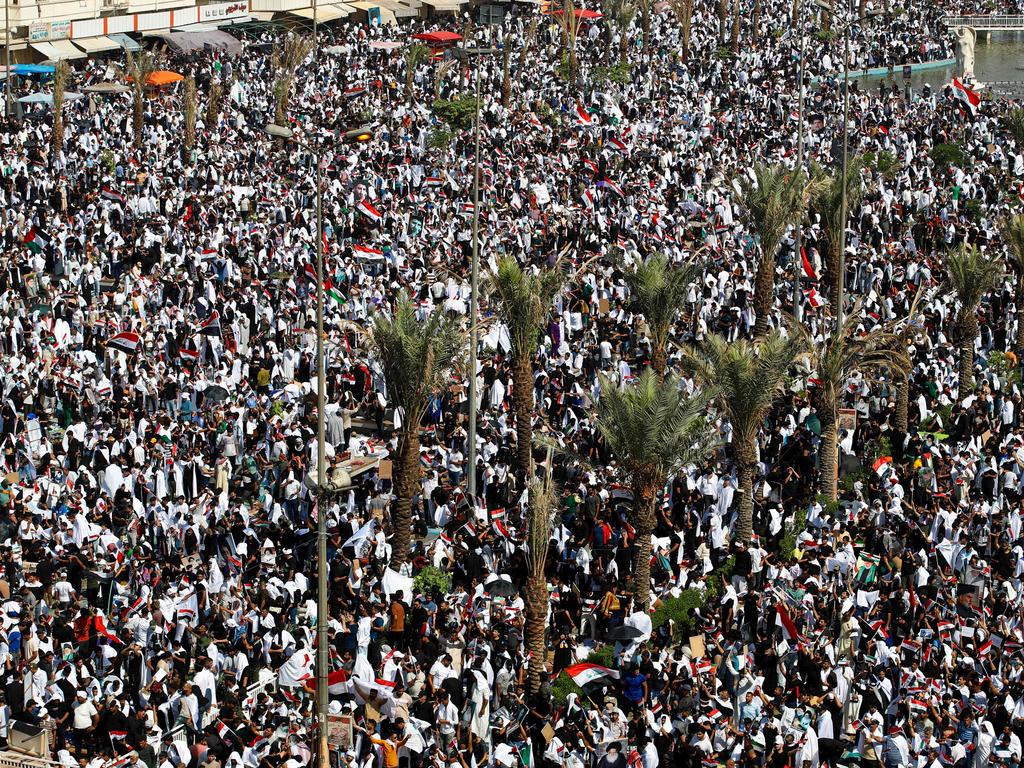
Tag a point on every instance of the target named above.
point(439, 37)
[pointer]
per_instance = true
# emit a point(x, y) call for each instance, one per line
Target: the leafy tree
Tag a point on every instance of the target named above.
point(773, 202)
point(658, 290)
point(1013, 236)
point(653, 430)
point(832, 361)
point(745, 378)
point(523, 302)
point(417, 357)
point(970, 274)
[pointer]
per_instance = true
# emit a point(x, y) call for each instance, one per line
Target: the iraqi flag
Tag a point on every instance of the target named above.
point(224, 733)
point(970, 100)
point(126, 342)
point(108, 194)
point(368, 210)
point(367, 252)
point(815, 299)
point(783, 620)
point(808, 269)
point(337, 682)
point(188, 355)
point(584, 673)
point(882, 466)
point(211, 325)
point(582, 116)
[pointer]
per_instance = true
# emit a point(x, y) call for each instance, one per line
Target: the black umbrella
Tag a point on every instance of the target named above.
point(215, 393)
point(624, 632)
point(501, 588)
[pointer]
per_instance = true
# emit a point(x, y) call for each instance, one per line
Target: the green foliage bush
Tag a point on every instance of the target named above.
point(945, 155)
point(458, 113)
point(431, 580)
point(793, 529)
point(562, 686)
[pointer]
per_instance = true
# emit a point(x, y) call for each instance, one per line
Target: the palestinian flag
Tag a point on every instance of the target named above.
point(333, 293)
point(584, 673)
point(126, 342)
point(211, 325)
point(368, 210)
point(970, 100)
point(310, 273)
point(36, 240)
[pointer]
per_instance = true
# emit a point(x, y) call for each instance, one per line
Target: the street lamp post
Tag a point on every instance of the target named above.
point(841, 266)
point(464, 54)
point(798, 304)
point(321, 487)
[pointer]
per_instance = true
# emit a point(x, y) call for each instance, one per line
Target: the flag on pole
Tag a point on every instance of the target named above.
point(211, 325)
point(783, 619)
point(808, 269)
point(584, 673)
point(582, 116)
point(368, 210)
point(36, 240)
point(970, 100)
point(108, 194)
point(126, 342)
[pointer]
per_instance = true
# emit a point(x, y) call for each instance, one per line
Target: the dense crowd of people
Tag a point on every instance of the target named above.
point(158, 422)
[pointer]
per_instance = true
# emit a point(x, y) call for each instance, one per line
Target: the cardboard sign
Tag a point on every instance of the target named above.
point(697, 649)
point(604, 306)
point(339, 731)
point(384, 469)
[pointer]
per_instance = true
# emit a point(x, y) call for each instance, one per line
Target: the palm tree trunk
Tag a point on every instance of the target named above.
point(522, 402)
point(687, 26)
point(137, 108)
point(536, 614)
point(970, 333)
point(832, 268)
point(861, 8)
point(755, 22)
point(736, 23)
point(646, 495)
point(764, 293)
point(1018, 344)
point(645, 21)
point(829, 469)
point(406, 478)
point(794, 14)
point(902, 403)
point(744, 528)
point(659, 360)
point(723, 15)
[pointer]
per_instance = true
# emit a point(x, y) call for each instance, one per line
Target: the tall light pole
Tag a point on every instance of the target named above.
point(465, 54)
point(798, 303)
point(7, 58)
point(320, 487)
point(841, 277)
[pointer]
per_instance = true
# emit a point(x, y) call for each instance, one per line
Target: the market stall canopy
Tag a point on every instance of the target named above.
point(324, 13)
point(163, 77)
point(580, 13)
point(107, 88)
point(440, 37)
point(33, 69)
point(47, 98)
point(385, 45)
point(58, 50)
point(202, 40)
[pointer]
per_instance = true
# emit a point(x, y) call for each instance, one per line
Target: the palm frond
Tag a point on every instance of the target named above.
point(524, 300)
point(971, 274)
point(1012, 231)
point(659, 290)
point(772, 202)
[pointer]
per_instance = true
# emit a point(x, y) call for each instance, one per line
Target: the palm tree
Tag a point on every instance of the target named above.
point(415, 55)
point(905, 337)
point(683, 9)
point(140, 67)
point(506, 74)
point(745, 377)
point(658, 291)
point(523, 301)
point(1013, 121)
point(60, 84)
point(542, 505)
point(1013, 236)
point(970, 274)
point(773, 202)
point(827, 200)
point(417, 358)
point(737, 21)
point(288, 54)
point(844, 351)
point(645, 8)
point(620, 15)
point(569, 23)
point(653, 430)
point(190, 106)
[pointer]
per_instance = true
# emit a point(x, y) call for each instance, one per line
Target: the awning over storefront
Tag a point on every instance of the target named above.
point(57, 50)
point(324, 13)
point(97, 44)
point(125, 42)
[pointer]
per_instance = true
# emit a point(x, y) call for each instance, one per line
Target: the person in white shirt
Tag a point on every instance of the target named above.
point(84, 720)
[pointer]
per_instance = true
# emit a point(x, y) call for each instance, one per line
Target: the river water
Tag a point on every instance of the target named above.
point(998, 63)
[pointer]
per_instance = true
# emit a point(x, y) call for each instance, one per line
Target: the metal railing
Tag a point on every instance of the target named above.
point(993, 21)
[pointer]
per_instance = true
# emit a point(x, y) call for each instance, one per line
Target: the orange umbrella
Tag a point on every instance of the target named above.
point(163, 77)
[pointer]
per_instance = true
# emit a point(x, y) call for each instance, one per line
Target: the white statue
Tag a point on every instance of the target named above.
point(965, 40)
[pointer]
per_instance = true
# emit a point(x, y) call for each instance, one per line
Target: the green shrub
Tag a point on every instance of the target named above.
point(945, 155)
point(1003, 366)
point(825, 35)
point(439, 137)
point(724, 53)
point(619, 73)
point(431, 580)
point(793, 529)
point(562, 687)
point(458, 113)
point(884, 163)
point(604, 655)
